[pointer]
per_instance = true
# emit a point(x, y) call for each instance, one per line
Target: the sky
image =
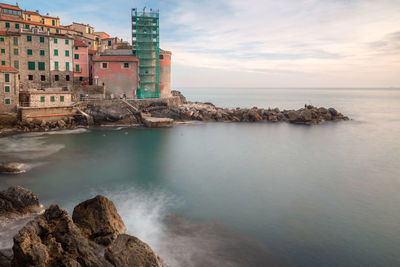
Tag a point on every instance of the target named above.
point(260, 43)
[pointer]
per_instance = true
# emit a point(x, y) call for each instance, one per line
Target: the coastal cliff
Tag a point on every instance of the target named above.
point(95, 235)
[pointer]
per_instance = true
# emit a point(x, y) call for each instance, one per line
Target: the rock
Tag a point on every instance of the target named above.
point(61, 123)
point(98, 220)
point(152, 122)
point(254, 116)
point(52, 239)
point(323, 110)
point(6, 256)
point(17, 199)
point(332, 111)
point(293, 115)
point(272, 118)
point(306, 115)
point(12, 168)
point(129, 251)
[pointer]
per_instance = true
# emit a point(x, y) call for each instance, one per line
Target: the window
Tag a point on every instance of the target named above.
point(57, 31)
point(7, 101)
point(80, 78)
point(126, 65)
point(31, 65)
point(55, 40)
point(3, 63)
point(16, 26)
point(42, 99)
point(67, 53)
point(76, 48)
point(52, 98)
point(16, 64)
point(42, 52)
point(6, 89)
point(1, 39)
point(77, 67)
point(42, 38)
point(29, 51)
point(66, 65)
point(29, 38)
point(41, 66)
point(67, 78)
point(104, 65)
point(3, 50)
point(26, 26)
point(15, 40)
point(76, 56)
point(61, 98)
point(15, 51)
point(56, 77)
point(161, 56)
point(42, 77)
point(109, 43)
point(53, 22)
point(66, 42)
point(7, 24)
point(30, 77)
point(56, 52)
point(56, 65)
point(7, 77)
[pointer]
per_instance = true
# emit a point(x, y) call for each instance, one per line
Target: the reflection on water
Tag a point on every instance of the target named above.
point(323, 195)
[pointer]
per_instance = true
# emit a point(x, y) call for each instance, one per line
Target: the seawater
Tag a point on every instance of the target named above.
point(239, 194)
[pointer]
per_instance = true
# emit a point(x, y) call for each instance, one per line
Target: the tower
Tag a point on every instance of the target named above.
point(145, 45)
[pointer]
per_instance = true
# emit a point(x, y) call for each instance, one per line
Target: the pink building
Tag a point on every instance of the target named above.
point(119, 73)
point(81, 62)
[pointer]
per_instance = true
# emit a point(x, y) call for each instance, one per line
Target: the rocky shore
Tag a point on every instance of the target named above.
point(95, 235)
point(120, 112)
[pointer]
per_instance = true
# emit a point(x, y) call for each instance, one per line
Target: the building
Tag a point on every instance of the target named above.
point(8, 89)
point(13, 18)
point(61, 62)
point(145, 45)
point(51, 97)
point(81, 62)
point(165, 73)
point(118, 72)
point(85, 32)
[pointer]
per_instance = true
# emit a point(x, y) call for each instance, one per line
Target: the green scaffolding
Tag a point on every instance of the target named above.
point(145, 45)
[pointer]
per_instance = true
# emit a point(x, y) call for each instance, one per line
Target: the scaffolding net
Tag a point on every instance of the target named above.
point(145, 45)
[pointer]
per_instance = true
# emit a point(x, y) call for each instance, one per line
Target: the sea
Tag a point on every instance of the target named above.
point(238, 194)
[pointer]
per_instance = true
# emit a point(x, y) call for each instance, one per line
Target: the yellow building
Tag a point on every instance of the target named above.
point(35, 16)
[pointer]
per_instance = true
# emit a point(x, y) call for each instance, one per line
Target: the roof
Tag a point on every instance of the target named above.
point(10, 7)
point(6, 33)
point(92, 52)
point(115, 58)
point(80, 43)
point(8, 69)
point(31, 12)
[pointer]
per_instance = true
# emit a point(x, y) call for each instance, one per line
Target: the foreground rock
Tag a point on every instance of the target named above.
point(12, 168)
point(128, 251)
point(18, 200)
point(98, 220)
point(52, 239)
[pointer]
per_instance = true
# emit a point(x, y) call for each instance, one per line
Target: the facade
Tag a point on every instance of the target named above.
point(165, 73)
point(81, 62)
point(61, 62)
point(118, 73)
point(8, 89)
point(33, 59)
point(45, 98)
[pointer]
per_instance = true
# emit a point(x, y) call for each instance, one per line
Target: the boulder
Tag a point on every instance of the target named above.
point(306, 115)
point(254, 116)
point(333, 111)
point(52, 239)
point(12, 168)
point(98, 220)
point(17, 199)
point(129, 251)
point(293, 115)
point(6, 256)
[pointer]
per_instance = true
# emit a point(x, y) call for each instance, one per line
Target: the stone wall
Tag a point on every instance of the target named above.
point(47, 114)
